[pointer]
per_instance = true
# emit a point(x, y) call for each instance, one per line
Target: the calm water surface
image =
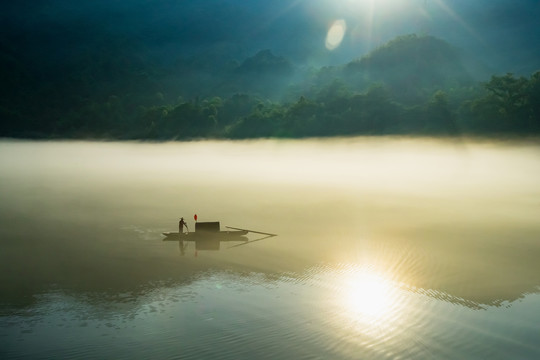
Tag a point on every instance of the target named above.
point(387, 248)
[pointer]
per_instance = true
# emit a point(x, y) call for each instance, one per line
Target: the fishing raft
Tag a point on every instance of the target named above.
point(209, 236)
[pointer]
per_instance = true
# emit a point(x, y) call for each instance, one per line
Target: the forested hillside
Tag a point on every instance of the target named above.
point(410, 85)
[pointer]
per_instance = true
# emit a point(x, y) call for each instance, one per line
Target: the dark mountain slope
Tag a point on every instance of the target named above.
point(411, 67)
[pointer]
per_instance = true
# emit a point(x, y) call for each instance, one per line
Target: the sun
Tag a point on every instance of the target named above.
point(357, 7)
point(362, 14)
point(371, 3)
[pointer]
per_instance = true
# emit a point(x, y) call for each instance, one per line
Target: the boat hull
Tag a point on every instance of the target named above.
point(207, 236)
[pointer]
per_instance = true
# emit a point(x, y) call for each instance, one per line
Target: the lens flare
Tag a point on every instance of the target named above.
point(335, 34)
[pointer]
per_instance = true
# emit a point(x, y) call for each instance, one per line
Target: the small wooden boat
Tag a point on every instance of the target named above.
point(235, 235)
point(208, 236)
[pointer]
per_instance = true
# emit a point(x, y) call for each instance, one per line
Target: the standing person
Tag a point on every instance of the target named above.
point(181, 224)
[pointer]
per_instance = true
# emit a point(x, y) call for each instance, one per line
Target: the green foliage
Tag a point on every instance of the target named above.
point(441, 118)
point(412, 67)
point(509, 105)
point(412, 85)
point(266, 62)
point(534, 101)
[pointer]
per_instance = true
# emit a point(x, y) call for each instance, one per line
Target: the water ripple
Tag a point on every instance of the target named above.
point(331, 310)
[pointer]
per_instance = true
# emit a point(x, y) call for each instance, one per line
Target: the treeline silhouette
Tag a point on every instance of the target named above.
point(411, 85)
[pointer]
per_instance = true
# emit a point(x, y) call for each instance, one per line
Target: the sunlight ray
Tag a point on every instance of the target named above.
point(446, 8)
point(267, 24)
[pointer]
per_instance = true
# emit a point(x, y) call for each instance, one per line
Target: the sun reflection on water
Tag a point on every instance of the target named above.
point(367, 295)
point(369, 300)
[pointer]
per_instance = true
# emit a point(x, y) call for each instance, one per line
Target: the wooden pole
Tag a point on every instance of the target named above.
point(253, 231)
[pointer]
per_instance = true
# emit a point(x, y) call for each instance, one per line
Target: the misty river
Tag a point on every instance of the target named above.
point(386, 248)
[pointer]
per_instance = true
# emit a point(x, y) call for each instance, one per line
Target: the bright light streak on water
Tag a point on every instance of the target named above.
point(227, 316)
point(366, 296)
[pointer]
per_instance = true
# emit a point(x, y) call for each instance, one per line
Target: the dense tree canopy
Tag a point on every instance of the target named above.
point(411, 85)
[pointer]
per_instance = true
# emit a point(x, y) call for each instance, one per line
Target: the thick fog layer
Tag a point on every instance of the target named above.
point(460, 218)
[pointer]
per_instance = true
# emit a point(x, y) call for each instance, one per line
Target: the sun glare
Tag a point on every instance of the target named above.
point(368, 300)
point(367, 295)
point(361, 16)
point(371, 4)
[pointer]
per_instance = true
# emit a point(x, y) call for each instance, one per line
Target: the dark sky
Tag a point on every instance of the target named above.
point(503, 33)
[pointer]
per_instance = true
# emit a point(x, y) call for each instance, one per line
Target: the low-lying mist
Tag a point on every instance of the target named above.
point(457, 217)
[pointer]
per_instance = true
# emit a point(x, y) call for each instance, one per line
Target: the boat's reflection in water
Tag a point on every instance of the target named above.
point(209, 237)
